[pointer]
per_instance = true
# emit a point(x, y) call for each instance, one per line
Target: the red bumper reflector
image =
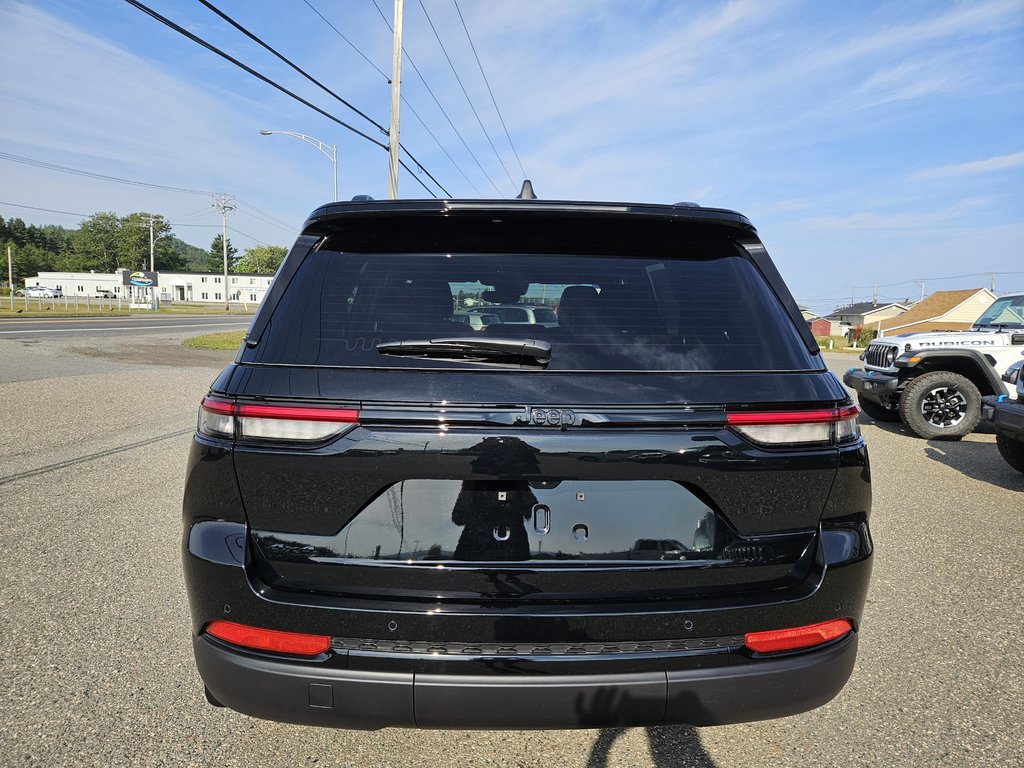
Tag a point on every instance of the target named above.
point(268, 639)
point(798, 637)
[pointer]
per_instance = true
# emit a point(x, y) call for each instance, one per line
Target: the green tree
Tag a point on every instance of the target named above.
point(215, 260)
point(96, 245)
point(33, 249)
point(135, 241)
point(261, 259)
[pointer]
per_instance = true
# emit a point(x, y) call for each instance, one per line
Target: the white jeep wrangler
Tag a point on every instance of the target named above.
point(934, 382)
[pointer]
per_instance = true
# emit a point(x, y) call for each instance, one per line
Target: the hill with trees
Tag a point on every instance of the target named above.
point(105, 242)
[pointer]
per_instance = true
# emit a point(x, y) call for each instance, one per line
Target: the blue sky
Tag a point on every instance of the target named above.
point(871, 143)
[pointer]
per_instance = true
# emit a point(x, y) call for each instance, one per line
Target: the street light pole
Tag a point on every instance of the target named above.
point(322, 146)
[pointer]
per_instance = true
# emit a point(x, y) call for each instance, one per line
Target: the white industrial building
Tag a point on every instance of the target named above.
point(198, 287)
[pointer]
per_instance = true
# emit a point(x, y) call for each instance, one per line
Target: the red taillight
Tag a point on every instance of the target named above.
point(216, 418)
point(218, 406)
point(220, 418)
point(799, 637)
point(297, 413)
point(821, 425)
point(268, 639)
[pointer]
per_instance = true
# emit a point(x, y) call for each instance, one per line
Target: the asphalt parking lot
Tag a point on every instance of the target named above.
point(95, 655)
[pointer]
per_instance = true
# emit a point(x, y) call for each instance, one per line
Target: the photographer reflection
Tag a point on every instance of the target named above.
point(493, 513)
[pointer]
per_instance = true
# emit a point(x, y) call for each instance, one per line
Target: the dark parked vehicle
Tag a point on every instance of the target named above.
point(1006, 414)
point(654, 512)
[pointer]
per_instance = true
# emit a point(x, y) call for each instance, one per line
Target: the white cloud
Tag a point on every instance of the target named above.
point(83, 102)
point(906, 220)
point(989, 165)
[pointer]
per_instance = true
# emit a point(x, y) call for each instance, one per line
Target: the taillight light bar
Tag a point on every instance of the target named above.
point(222, 418)
point(271, 640)
point(775, 640)
point(825, 426)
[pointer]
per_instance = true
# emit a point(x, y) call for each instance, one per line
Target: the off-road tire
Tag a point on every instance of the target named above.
point(941, 406)
point(1012, 450)
point(877, 411)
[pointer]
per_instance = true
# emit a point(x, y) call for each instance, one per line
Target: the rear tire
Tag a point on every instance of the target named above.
point(1011, 450)
point(877, 411)
point(941, 406)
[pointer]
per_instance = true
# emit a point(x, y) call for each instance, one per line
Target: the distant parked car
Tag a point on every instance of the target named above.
point(103, 293)
point(521, 314)
point(476, 320)
point(39, 292)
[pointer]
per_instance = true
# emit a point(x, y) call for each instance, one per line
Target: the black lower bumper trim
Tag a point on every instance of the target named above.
point(877, 386)
point(310, 694)
point(1006, 415)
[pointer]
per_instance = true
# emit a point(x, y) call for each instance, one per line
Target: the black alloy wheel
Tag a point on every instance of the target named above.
point(941, 405)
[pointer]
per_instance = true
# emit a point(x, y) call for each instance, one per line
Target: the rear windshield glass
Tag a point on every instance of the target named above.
point(598, 313)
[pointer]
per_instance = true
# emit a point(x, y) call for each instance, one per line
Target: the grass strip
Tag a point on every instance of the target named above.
point(225, 340)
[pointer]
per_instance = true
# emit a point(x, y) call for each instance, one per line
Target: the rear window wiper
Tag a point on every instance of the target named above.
point(521, 351)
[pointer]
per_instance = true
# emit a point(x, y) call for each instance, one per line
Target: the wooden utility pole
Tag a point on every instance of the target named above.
point(10, 274)
point(224, 203)
point(152, 262)
point(396, 84)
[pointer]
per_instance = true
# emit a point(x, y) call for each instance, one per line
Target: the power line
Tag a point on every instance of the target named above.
point(240, 232)
point(218, 226)
point(291, 64)
point(267, 218)
point(438, 103)
point(270, 219)
point(440, 145)
point(48, 210)
point(350, 43)
point(488, 84)
point(214, 49)
point(256, 39)
point(465, 92)
point(409, 106)
point(90, 174)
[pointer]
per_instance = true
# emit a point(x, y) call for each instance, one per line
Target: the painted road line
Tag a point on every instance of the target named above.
point(113, 321)
point(125, 328)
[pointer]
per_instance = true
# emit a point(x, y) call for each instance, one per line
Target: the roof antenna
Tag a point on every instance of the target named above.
point(526, 193)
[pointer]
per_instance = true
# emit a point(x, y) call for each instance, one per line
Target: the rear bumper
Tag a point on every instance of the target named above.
point(309, 694)
point(1007, 416)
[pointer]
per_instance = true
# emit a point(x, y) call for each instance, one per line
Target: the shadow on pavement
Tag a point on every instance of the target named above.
point(977, 460)
point(671, 746)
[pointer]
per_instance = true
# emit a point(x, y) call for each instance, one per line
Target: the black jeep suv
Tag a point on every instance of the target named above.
point(654, 510)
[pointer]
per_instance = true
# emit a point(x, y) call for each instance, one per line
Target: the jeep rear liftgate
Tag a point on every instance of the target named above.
point(401, 511)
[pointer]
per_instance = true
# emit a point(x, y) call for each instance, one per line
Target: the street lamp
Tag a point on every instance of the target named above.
point(331, 155)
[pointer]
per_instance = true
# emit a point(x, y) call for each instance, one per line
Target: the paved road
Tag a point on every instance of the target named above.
point(31, 327)
point(95, 661)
